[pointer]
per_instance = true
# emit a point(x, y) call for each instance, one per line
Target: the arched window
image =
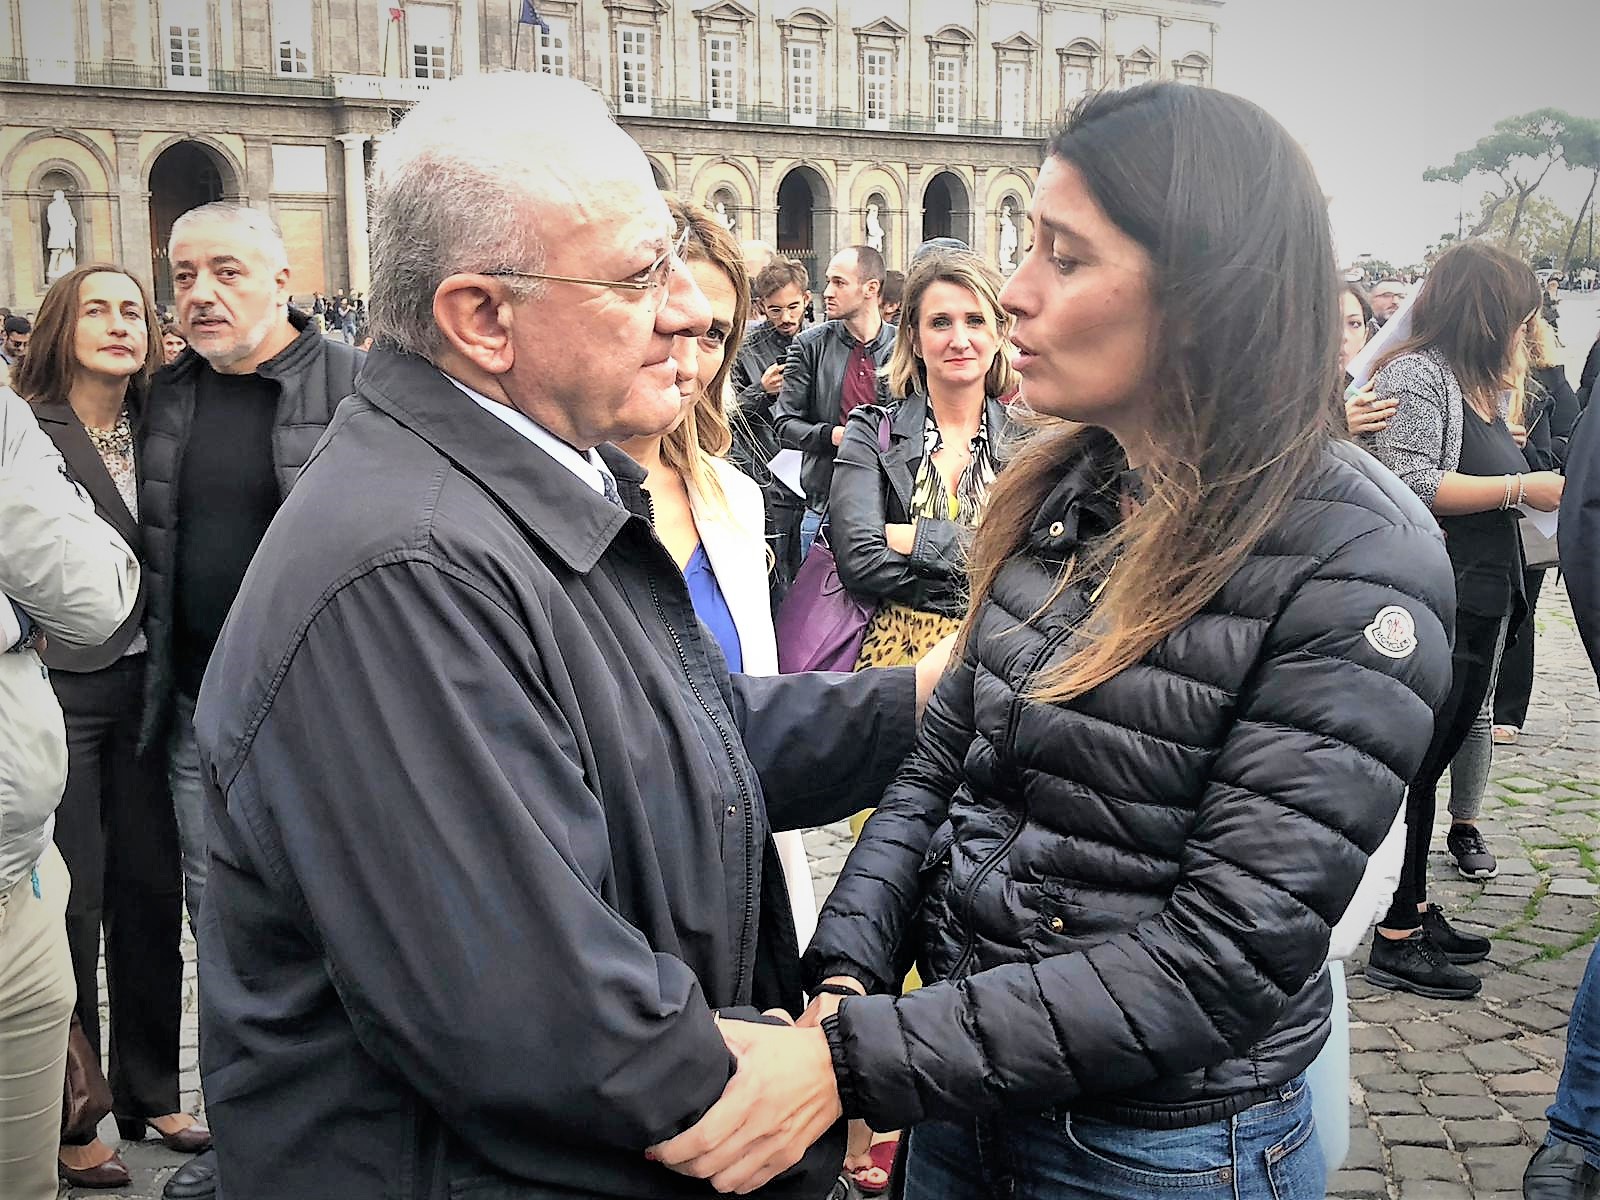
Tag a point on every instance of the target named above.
point(1138, 67)
point(1192, 68)
point(1080, 69)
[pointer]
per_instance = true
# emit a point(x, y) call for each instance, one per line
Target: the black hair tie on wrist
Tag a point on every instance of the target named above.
point(834, 989)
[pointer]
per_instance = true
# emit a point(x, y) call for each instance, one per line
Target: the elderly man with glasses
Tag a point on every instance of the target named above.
point(494, 906)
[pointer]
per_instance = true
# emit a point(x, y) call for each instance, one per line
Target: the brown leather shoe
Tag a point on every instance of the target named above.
point(113, 1173)
point(193, 1138)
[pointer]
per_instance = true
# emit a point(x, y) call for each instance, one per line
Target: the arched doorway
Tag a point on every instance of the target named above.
point(946, 211)
point(659, 175)
point(803, 220)
point(184, 176)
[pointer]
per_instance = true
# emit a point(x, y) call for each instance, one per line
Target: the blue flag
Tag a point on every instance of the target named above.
point(530, 16)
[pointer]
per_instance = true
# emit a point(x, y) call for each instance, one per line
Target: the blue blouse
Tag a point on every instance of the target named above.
point(705, 593)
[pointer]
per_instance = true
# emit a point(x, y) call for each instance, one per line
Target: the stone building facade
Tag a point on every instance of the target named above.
point(812, 126)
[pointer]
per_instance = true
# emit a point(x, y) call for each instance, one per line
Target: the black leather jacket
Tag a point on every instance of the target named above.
point(1121, 903)
point(313, 375)
point(872, 488)
point(808, 406)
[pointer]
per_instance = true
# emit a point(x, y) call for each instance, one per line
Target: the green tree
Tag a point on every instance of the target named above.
point(1520, 152)
point(1581, 150)
point(1542, 233)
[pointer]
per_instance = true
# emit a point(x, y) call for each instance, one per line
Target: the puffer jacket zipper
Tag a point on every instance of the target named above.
point(969, 894)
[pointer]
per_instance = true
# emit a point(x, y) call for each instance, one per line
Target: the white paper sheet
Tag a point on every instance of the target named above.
point(1395, 331)
point(1544, 522)
point(785, 465)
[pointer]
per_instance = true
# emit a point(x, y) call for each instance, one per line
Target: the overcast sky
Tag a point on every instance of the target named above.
point(1380, 90)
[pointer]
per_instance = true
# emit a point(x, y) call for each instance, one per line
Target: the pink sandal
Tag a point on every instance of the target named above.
point(874, 1180)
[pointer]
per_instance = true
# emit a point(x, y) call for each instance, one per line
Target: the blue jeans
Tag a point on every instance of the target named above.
point(1268, 1151)
point(809, 525)
point(189, 802)
point(1575, 1116)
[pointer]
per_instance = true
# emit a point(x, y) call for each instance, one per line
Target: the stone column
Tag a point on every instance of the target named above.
point(355, 211)
point(131, 238)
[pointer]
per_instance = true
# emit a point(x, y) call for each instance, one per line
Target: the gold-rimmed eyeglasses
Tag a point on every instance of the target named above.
point(652, 279)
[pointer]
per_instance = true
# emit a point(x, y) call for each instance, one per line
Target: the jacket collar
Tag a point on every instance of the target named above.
point(1086, 502)
point(884, 336)
point(58, 420)
point(294, 357)
point(547, 500)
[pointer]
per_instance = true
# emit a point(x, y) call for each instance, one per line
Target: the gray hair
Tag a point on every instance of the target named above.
point(257, 221)
point(453, 189)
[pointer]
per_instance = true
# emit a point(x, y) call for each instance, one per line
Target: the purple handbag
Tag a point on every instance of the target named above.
point(820, 625)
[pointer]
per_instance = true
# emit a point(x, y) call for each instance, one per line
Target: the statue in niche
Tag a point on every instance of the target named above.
point(1008, 237)
point(61, 237)
point(728, 220)
point(874, 229)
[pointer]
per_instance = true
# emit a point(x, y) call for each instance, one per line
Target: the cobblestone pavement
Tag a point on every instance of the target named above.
point(1447, 1097)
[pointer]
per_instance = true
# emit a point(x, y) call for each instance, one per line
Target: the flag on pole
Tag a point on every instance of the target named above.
point(530, 16)
point(395, 14)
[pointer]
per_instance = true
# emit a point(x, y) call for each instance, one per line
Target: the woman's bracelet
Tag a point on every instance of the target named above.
point(1522, 489)
point(1505, 500)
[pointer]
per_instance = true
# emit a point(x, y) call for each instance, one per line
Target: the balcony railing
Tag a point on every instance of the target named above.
point(840, 118)
point(388, 89)
point(247, 82)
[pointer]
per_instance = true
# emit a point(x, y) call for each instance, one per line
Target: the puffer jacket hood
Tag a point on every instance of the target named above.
point(1122, 902)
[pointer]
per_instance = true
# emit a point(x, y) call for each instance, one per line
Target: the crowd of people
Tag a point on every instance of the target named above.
point(470, 694)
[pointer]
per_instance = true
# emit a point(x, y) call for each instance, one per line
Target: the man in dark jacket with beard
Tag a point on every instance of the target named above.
point(491, 819)
point(227, 429)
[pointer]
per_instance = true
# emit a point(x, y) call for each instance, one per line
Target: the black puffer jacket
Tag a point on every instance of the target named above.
point(1128, 896)
point(313, 375)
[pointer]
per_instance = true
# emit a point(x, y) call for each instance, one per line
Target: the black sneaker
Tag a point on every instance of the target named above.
point(1559, 1171)
point(1414, 964)
point(1457, 946)
point(1472, 855)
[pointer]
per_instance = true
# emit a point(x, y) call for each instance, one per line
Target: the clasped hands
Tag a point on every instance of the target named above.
point(783, 1096)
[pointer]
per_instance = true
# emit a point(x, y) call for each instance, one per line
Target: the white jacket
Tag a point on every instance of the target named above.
point(77, 579)
point(735, 541)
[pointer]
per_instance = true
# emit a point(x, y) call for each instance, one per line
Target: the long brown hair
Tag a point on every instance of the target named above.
point(1218, 194)
point(906, 371)
point(704, 431)
point(51, 366)
point(1471, 309)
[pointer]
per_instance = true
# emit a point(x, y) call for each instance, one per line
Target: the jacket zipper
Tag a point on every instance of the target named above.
point(969, 894)
point(738, 775)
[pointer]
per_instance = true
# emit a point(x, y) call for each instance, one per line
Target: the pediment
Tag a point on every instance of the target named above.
point(882, 27)
point(804, 18)
point(725, 10)
point(1017, 41)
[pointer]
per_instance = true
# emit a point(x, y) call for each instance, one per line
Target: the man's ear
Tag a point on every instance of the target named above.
point(476, 317)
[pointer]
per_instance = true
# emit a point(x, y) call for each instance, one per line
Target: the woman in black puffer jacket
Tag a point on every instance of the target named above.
point(1206, 645)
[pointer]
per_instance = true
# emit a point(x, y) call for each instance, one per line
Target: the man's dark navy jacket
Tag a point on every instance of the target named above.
point(490, 824)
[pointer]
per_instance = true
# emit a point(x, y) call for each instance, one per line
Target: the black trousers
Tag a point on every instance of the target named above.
point(116, 830)
point(1471, 666)
point(1515, 689)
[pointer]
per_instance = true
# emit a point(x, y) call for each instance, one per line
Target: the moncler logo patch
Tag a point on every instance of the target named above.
point(1393, 632)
